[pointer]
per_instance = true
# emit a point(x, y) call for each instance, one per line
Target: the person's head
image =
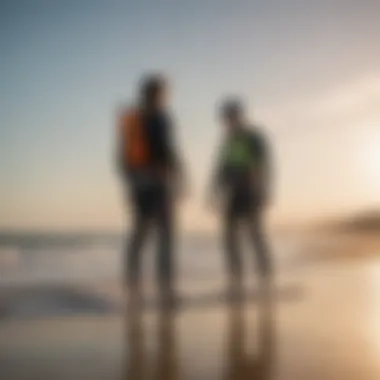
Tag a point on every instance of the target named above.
point(153, 91)
point(232, 113)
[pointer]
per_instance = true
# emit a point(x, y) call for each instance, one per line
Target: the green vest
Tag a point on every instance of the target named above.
point(238, 152)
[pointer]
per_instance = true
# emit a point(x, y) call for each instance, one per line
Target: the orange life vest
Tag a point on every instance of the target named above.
point(135, 147)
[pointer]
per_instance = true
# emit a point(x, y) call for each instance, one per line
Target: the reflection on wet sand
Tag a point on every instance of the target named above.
point(166, 360)
point(243, 365)
point(238, 363)
point(136, 351)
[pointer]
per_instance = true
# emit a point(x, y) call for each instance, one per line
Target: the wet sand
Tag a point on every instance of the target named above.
point(331, 330)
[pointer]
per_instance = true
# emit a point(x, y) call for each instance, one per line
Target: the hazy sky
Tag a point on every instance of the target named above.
point(309, 70)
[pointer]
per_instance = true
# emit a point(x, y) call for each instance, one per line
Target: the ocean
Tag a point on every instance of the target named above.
point(83, 258)
point(47, 274)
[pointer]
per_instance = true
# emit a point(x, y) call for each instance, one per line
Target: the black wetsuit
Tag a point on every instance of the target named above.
point(150, 197)
point(243, 178)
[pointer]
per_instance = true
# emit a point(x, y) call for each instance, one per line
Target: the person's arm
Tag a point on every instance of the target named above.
point(263, 170)
point(167, 153)
point(168, 146)
point(216, 181)
point(217, 176)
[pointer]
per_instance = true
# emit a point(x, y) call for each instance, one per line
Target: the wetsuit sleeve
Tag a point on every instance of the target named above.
point(164, 144)
point(263, 163)
point(218, 170)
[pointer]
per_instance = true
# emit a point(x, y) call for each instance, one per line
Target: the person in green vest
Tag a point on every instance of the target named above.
point(241, 181)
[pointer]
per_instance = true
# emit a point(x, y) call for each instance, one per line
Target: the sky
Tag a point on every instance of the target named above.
point(309, 72)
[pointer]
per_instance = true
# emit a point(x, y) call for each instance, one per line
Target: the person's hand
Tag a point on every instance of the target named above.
point(181, 187)
point(264, 196)
point(212, 200)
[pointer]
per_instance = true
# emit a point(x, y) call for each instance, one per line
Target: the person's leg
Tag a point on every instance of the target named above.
point(165, 230)
point(136, 241)
point(259, 241)
point(232, 249)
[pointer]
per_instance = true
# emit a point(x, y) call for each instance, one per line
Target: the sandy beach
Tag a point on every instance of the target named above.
point(322, 323)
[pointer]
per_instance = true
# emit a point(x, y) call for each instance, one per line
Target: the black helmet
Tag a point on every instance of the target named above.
point(231, 107)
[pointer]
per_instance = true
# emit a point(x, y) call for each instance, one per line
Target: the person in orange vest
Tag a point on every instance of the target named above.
point(149, 165)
